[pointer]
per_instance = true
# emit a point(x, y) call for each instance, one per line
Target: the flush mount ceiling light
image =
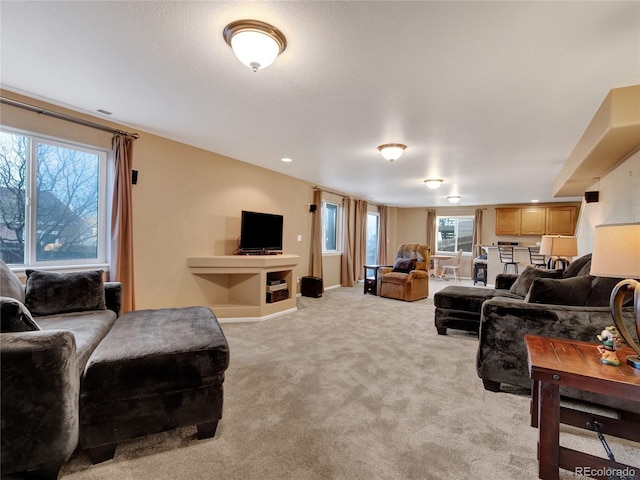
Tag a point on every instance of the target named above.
point(392, 151)
point(433, 183)
point(454, 198)
point(256, 44)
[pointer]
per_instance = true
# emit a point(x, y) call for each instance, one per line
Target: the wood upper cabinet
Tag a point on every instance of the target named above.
point(533, 221)
point(507, 221)
point(561, 220)
point(536, 220)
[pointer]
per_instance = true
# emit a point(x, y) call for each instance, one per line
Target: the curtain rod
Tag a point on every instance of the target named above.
point(63, 116)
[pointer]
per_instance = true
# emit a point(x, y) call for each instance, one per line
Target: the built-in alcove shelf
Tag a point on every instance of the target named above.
point(237, 284)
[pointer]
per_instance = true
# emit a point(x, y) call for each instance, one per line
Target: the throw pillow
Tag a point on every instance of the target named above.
point(525, 279)
point(14, 316)
point(10, 285)
point(578, 267)
point(564, 291)
point(50, 293)
point(404, 265)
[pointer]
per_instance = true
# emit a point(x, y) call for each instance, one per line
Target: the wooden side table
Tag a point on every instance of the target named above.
point(371, 278)
point(554, 363)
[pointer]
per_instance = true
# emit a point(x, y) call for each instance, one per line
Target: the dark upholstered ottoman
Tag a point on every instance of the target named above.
point(155, 370)
point(460, 307)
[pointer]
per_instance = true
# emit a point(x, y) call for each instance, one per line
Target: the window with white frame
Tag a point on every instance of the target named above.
point(454, 233)
point(53, 205)
point(331, 227)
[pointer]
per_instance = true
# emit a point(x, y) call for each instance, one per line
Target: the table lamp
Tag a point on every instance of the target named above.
point(559, 248)
point(616, 253)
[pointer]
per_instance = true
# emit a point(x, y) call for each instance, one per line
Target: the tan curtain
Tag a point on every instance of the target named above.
point(316, 236)
point(382, 235)
point(346, 271)
point(360, 250)
point(431, 230)
point(122, 221)
point(477, 232)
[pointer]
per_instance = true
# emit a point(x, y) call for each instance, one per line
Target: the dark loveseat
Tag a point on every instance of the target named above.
point(75, 374)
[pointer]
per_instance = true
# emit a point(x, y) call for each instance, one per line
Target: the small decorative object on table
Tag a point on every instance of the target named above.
point(611, 341)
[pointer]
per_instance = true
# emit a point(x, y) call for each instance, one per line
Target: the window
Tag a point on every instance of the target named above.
point(373, 220)
point(454, 233)
point(52, 202)
point(331, 227)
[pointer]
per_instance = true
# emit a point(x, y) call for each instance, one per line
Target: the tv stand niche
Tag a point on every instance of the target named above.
point(239, 284)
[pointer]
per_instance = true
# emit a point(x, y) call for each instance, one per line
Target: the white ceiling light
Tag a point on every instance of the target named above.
point(392, 151)
point(256, 44)
point(454, 198)
point(433, 183)
point(286, 160)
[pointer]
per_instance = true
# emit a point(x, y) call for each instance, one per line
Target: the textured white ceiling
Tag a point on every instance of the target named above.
point(490, 96)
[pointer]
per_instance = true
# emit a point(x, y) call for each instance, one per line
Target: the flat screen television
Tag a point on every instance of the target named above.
point(260, 233)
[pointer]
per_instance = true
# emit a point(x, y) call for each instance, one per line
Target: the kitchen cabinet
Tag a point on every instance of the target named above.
point(559, 220)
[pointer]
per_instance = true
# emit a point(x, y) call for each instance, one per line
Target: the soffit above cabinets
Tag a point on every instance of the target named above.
point(613, 134)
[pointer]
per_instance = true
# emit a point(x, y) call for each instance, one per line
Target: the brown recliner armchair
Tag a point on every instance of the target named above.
point(409, 278)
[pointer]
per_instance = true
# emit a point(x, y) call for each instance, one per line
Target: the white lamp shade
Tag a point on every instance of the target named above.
point(256, 50)
point(616, 251)
point(454, 198)
point(559, 246)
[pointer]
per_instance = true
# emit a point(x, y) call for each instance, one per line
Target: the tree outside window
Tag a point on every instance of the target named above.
point(51, 207)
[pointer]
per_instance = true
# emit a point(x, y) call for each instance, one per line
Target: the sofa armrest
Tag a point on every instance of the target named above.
point(39, 399)
point(504, 281)
point(113, 296)
point(502, 354)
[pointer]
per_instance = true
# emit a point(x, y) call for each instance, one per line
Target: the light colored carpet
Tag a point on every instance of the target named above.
point(351, 386)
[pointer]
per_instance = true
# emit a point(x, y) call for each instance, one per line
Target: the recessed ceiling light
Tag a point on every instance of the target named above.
point(433, 183)
point(286, 160)
point(535, 201)
point(454, 198)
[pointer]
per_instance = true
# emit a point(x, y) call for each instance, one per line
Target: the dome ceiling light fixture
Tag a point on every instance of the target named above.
point(433, 183)
point(454, 198)
point(391, 151)
point(256, 44)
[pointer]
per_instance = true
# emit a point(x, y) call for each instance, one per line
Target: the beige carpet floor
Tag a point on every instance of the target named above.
point(350, 386)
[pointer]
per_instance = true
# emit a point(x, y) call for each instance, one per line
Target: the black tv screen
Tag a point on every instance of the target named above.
point(260, 232)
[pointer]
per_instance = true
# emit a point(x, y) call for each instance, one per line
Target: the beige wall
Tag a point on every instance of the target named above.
point(619, 201)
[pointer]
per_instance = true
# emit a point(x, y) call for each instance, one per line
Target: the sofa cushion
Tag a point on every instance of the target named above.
point(88, 328)
point(578, 267)
point(525, 279)
point(10, 284)
point(404, 265)
point(50, 293)
point(565, 291)
point(14, 316)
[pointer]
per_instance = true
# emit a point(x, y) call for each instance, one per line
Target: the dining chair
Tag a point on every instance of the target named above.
point(454, 268)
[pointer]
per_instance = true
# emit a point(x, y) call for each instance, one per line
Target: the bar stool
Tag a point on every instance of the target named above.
point(506, 257)
point(536, 258)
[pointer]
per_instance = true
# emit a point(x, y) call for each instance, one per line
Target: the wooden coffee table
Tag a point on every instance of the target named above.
point(554, 363)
